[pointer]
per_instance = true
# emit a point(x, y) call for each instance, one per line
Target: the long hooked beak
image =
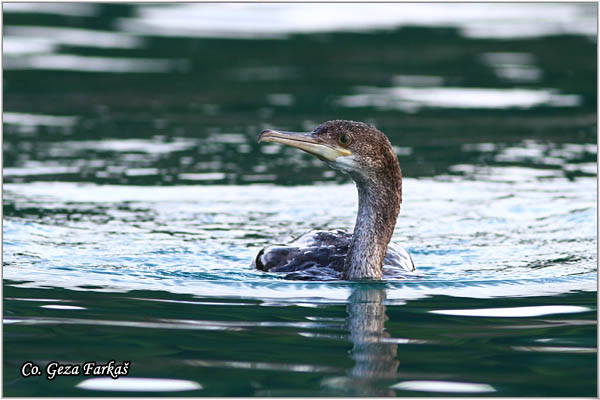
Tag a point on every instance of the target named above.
point(305, 141)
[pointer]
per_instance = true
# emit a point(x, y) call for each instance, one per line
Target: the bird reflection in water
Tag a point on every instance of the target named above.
point(375, 357)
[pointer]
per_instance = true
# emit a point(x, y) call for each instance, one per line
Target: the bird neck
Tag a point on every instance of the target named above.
point(378, 208)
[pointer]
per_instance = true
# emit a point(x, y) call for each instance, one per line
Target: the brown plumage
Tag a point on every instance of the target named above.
point(366, 154)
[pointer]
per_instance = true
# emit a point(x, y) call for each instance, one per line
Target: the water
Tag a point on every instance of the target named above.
point(135, 198)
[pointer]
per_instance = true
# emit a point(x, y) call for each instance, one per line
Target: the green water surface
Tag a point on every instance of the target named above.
point(135, 197)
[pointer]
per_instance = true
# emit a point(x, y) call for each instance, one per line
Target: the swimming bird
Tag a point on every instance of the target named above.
point(365, 153)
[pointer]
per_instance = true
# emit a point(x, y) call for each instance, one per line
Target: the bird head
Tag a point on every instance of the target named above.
point(355, 148)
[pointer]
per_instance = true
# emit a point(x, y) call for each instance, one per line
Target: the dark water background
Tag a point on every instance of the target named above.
point(135, 197)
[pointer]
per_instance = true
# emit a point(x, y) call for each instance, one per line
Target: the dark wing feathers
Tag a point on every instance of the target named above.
point(320, 256)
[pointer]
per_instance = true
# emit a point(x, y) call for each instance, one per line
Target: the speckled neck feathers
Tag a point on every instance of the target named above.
point(379, 198)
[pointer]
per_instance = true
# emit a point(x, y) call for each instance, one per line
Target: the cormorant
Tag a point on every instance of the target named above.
point(366, 154)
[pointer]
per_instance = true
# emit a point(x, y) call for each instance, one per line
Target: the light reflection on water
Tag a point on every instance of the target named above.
point(412, 99)
point(26, 119)
point(497, 238)
point(138, 385)
point(68, 9)
point(514, 311)
point(71, 62)
point(278, 20)
point(123, 158)
point(444, 387)
point(69, 36)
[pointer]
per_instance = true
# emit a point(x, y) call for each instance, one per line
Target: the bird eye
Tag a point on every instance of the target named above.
point(344, 139)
